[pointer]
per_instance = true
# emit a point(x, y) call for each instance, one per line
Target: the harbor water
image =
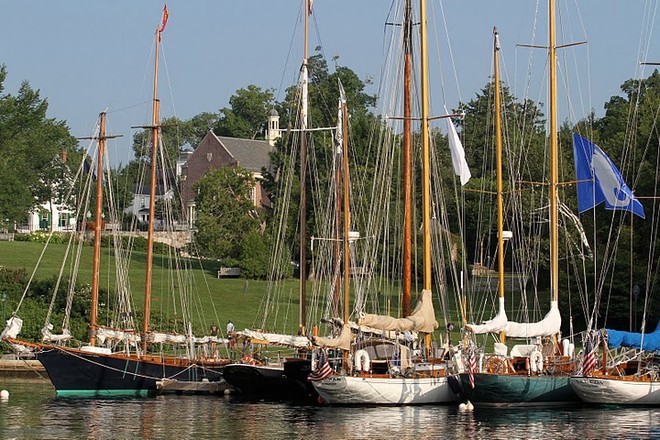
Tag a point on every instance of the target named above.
point(33, 412)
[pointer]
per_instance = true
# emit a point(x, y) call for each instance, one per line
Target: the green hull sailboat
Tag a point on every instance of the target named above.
point(538, 373)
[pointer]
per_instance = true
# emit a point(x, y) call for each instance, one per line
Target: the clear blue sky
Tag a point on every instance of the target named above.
point(88, 55)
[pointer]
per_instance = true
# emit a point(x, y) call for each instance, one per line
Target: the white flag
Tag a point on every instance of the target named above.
point(457, 154)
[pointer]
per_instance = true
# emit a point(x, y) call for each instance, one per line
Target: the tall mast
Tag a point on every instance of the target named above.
point(347, 212)
point(303, 177)
point(426, 168)
point(96, 261)
point(97, 232)
point(554, 215)
point(498, 150)
point(98, 215)
point(155, 127)
point(407, 162)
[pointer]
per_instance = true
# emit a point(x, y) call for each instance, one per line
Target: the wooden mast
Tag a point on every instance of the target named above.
point(303, 178)
point(407, 162)
point(426, 167)
point(155, 128)
point(347, 212)
point(498, 150)
point(554, 213)
point(96, 262)
point(347, 215)
point(337, 241)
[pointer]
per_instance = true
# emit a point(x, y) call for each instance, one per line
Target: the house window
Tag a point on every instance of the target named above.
point(143, 203)
point(44, 221)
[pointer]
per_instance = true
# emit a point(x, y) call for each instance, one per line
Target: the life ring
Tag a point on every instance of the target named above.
point(248, 360)
point(536, 361)
point(362, 360)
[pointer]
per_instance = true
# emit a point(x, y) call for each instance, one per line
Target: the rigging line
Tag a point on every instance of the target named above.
point(120, 109)
point(646, 28)
point(451, 54)
point(287, 58)
point(169, 84)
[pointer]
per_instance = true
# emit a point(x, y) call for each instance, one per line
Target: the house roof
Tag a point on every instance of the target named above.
point(251, 154)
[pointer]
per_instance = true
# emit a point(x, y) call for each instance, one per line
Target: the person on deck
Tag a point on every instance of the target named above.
point(214, 335)
point(230, 333)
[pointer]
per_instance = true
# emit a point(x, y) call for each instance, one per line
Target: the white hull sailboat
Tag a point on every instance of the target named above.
point(616, 391)
point(635, 380)
point(383, 372)
point(356, 390)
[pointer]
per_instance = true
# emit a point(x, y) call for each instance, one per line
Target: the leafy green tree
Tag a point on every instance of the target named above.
point(174, 134)
point(523, 156)
point(225, 212)
point(247, 114)
point(254, 257)
point(29, 141)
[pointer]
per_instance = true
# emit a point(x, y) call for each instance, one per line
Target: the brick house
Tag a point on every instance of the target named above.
point(215, 151)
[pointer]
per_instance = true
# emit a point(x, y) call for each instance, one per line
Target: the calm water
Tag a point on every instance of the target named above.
point(33, 412)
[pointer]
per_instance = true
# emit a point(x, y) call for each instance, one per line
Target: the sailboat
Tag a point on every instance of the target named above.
point(128, 368)
point(285, 379)
point(630, 370)
point(378, 370)
point(537, 373)
point(632, 378)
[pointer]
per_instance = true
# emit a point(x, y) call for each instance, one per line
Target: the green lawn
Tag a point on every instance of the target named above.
point(217, 300)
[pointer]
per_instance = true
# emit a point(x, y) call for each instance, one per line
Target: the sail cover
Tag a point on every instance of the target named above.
point(104, 334)
point(497, 324)
point(276, 339)
point(343, 341)
point(422, 318)
point(617, 338)
point(548, 326)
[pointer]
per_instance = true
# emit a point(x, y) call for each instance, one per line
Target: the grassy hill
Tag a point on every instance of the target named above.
point(216, 300)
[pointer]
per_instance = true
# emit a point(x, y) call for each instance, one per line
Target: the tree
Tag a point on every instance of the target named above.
point(524, 141)
point(225, 212)
point(174, 133)
point(247, 114)
point(29, 141)
point(254, 256)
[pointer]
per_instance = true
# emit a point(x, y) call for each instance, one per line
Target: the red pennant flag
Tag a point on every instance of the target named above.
point(309, 6)
point(164, 22)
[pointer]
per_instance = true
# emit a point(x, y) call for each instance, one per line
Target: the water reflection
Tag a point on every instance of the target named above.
point(33, 412)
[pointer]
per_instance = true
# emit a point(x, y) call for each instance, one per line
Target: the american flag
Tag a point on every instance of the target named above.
point(323, 368)
point(472, 367)
point(589, 360)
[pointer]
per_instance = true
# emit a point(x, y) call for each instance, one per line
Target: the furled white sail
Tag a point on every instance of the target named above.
point(343, 341)
point(104, 334)
point(13, 328)
point(548, 326)
point(277, 339)
point(497, 324)
point(48, 336)
point(421, 320)
point(167, 338)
